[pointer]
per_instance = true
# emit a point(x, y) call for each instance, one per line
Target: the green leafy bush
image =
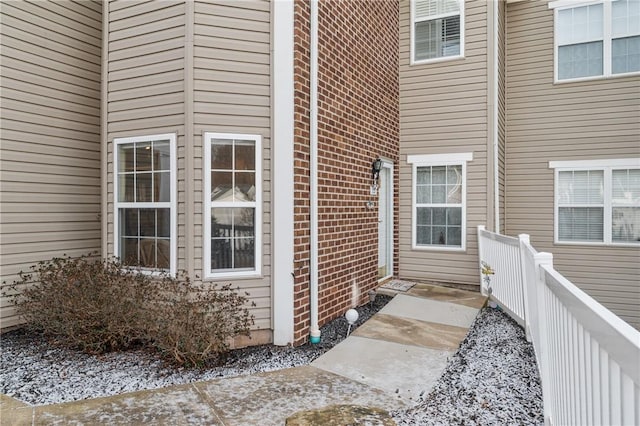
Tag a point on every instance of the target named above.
point(97, 305)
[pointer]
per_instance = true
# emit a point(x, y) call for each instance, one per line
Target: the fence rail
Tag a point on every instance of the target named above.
point(589, 359)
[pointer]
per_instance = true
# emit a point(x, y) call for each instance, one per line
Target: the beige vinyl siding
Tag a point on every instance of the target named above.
point(232, 95)
point(50, 132)
point(443, 109)
point(569, 121)
point(145, 86)
point(190, 68)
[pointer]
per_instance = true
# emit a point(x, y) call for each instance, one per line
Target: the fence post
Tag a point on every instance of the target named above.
point(527, 287)
point(483, 286)
point(545, 259)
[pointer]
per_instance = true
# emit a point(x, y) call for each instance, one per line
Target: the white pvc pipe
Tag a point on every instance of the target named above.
point(496, 104)
point(104, 122)
point(313, 179)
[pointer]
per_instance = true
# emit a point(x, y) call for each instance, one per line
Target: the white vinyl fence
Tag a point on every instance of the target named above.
point(502, 280)
point(589, 359)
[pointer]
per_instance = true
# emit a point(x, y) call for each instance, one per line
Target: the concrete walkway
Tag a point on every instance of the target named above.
point(387, 363)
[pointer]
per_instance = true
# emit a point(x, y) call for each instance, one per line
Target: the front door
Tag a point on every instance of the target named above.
point(385, 221)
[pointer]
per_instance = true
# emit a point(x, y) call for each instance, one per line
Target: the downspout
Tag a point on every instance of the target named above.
point(496, 106)
point(189, 101)
point(104, 145)
point(314, 334)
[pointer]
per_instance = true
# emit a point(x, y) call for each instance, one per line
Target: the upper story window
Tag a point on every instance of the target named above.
point(233, 205)
point(439, 201)
point(145, 202)
point(437, 30)
point(597, 201)
point(596, 38)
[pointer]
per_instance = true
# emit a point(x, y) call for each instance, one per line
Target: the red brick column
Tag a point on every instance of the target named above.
point(358, 121)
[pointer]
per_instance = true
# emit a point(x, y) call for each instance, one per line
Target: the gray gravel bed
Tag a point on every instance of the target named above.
point(37, 372)
point(491, 379)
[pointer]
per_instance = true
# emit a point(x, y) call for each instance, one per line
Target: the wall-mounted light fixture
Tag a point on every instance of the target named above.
point(376, 166)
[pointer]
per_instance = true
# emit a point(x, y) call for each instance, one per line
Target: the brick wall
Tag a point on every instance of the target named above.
point(301, 172)
point(358, 119)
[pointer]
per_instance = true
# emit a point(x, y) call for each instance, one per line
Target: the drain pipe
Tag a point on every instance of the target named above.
point(314, 335)
point(496, 102)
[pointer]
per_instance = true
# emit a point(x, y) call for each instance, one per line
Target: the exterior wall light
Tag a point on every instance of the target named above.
point(376, 166)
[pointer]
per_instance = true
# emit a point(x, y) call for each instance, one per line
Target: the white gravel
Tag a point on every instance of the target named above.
point(492, 378)
point(39, 373)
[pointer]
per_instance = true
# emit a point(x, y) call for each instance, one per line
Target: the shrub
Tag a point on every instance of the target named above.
point(83, 302)
point(194, 324)
point(96, 305)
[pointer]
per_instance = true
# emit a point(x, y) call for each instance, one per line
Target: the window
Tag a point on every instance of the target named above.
point(596, 39)
point(233, 200)
point(581, 205)
point(439, 201)
point(597, 201)
point(437, 29)
point(145, 194)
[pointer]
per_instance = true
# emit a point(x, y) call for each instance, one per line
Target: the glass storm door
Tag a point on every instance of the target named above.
point(385, 221)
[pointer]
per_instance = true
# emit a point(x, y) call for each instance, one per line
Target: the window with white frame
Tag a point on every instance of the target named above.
point(437, 29)
point(145, 196)
point(439, 201)
point(597, 201)
point(596, 38)
point(233, 204)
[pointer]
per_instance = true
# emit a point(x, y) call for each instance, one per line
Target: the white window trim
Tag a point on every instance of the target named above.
point(257, 204)
point(412, 36)
point(606, 41)
point(607, 166)
point(172, 205)
point(439, 160)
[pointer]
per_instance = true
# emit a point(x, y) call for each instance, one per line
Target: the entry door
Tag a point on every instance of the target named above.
point(385, 221)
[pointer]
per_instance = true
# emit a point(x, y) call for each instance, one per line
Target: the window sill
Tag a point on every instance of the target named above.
point(438, 248)
point(154, 273)
point(436, 60)
point(595, 244)
point(248, 275)
point(596, 78)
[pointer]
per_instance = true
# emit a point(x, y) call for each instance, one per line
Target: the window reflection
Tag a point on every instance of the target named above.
point(233, 193)
point(232, 237)
point(143, 175)
point(439, 205)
